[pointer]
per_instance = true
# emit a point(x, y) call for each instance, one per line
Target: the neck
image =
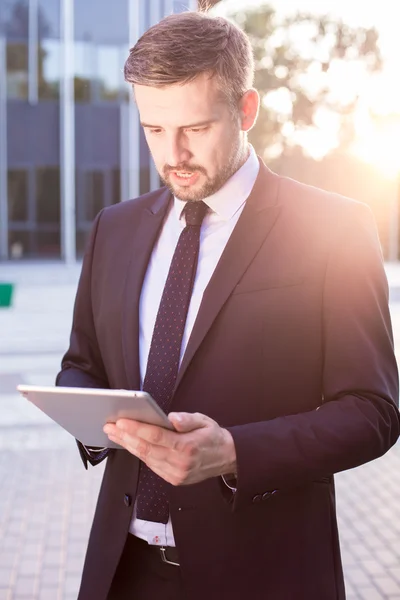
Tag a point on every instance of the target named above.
point(245, 153)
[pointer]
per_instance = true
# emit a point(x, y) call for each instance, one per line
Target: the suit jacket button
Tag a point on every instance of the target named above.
point(257, 498)
point(268, 495)
point(127, 500)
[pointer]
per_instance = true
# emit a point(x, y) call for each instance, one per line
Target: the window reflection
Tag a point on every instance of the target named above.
point(50, 14)
point(49, 57)
point(49, 67)
point(17, 187)
point(126, 88)
point(93, 194)
point(47, 244)
point(95, 189)
point(19, 243)
point(48, 195)
point(17, 70)
point(109, 24)
point(84, 69)
point(116, 186)
point(82, 240)
point(23, 244)
point(15, 15)
point(109, 72)
point(99, 73)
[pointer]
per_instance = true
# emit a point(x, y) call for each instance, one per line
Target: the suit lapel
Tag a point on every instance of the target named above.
point(144, 235)
point(252, 228)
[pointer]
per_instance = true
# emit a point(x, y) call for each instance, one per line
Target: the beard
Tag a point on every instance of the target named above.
point(211, 185)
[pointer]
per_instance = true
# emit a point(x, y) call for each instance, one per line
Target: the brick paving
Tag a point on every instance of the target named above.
point(47, 499)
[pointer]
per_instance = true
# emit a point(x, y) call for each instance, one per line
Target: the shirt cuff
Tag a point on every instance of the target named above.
point(94, 450)
point(93, 455)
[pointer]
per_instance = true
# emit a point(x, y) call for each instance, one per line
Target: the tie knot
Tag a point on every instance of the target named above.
point(195, 212)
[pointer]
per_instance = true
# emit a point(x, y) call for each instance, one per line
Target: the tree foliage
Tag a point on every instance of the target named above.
point(298, 62)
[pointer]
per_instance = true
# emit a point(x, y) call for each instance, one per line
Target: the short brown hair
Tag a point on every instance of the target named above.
point(182, 46)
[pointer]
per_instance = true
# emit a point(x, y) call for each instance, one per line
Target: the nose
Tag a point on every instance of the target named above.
point(177, 151)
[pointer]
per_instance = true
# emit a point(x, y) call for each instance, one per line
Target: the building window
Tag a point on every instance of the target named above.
point(15, 14)
point(19, 243)
point(49, 18)
point(106, 22)
point(116, 186)
point(17, 186)
point(49, 69)
point(90, 195)
point(48, 195)
point(94, 194)
point(17, 70)
point(84, 69)
point(109, 68)
point(47, 244)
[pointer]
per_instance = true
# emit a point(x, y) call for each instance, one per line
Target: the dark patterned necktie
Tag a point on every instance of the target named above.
point(165, 349)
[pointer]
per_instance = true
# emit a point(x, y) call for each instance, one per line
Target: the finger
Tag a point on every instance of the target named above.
point(164, 462)
point(110, 429)
point(116, 440)
point(170, 468)
point(186, 422)
point(115, 434)
point(153, 434)
point(169, 464)
point(134, 445)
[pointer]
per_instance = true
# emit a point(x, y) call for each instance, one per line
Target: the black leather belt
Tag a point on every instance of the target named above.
point(169, 554)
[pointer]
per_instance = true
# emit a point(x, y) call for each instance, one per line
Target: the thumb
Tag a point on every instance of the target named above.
point(185, 422)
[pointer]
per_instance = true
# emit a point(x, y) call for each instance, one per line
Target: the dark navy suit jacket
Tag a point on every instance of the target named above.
point(292, 351)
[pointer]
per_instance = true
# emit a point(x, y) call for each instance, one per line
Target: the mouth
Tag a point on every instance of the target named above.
point(184, 174)
point(184, 178)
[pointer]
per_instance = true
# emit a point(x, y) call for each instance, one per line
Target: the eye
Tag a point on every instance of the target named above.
point(197, 129)
point(155, 131)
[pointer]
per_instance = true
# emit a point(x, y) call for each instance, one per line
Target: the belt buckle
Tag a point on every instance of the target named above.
point(165, 559)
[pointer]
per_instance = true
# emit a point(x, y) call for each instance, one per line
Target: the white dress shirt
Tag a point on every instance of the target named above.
point(226, 207)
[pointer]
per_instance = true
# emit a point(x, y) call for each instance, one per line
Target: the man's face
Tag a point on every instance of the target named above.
point(196, 140)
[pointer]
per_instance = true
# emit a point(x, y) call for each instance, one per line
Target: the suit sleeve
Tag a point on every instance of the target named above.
point(358, 419)
point(82, 365)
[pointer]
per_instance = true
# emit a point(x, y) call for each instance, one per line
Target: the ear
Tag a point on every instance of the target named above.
point(249, 106)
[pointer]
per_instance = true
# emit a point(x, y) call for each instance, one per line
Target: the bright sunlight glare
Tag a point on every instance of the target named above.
point(377, 119)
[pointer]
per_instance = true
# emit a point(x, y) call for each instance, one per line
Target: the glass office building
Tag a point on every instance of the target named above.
point(70, 140)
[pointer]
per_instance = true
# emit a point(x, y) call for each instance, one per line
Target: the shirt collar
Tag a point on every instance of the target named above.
point(227, 200)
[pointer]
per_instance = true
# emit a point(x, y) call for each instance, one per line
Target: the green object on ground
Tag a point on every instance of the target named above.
point(6, 293)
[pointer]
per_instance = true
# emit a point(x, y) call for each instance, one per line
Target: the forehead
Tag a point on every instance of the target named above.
point(177, 105)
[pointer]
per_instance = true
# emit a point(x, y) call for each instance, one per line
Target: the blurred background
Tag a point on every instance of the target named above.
point(70, 144)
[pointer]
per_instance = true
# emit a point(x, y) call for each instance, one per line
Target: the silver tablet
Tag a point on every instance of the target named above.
point(83, 412)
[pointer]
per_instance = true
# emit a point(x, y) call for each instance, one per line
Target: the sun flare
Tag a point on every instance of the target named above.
point(378, 143)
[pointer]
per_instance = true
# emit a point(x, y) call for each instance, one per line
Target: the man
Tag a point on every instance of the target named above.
point(254, 310)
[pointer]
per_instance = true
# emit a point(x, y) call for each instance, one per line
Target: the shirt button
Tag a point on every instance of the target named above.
point(127, 500)
point(257, 498)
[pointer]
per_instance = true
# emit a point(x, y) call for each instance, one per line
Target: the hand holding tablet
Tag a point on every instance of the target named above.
point(83, 412)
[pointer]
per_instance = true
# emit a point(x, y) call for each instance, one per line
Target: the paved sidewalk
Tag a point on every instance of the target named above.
point(47, 498)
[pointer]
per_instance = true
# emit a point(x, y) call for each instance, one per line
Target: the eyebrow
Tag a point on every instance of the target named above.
point(192, 126)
